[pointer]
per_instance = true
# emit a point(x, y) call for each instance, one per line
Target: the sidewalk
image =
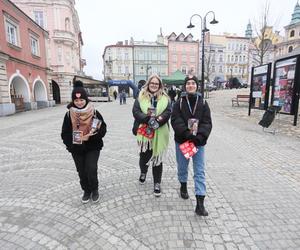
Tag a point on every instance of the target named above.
point(253, 187)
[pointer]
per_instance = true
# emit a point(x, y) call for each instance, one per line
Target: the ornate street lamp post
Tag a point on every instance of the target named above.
point(203, 30)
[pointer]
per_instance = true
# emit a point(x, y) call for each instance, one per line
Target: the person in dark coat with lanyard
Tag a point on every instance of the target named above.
point(82, 132)
point(191, 121)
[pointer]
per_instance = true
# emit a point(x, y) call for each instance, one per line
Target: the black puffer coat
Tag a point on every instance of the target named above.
point(181, 114)
point(95, 142)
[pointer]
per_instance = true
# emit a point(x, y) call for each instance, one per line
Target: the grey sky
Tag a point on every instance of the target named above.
point(105, 22)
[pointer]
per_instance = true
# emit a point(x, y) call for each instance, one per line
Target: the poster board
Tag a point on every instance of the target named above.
point(259, 86)
point(284, 84)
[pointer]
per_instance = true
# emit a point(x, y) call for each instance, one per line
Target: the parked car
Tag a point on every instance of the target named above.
point(210, 87)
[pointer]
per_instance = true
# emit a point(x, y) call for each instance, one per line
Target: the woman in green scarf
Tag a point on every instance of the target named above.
point(151, 111)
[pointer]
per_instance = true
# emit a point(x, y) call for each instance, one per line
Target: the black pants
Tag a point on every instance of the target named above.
point(156, 170)
point(87, 168)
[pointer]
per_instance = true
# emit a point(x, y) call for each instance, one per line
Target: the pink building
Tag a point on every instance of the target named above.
point(23, 63)
point(61, 20)
point(183, 54)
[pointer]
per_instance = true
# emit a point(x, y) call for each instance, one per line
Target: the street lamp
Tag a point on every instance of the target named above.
point(147, 70)
point(203, 30)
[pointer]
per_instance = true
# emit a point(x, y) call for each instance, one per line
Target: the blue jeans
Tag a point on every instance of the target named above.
point(198, 165)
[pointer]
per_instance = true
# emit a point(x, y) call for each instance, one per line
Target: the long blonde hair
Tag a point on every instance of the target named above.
point(145, 93)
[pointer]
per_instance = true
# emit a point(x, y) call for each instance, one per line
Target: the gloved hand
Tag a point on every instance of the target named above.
point(152, 123)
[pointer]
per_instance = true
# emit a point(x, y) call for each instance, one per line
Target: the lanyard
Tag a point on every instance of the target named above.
point(153, 102)
point(77, 120)
point(188, 102)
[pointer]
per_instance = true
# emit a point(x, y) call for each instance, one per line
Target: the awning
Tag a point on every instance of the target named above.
point(177, 78)
point(119, 82)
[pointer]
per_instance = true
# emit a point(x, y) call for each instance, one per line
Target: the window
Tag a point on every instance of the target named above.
point(126, 56)
point(192, 59)
point(213, 68)
point(220, 69)
point(39, 18)
point(59, 54)
point(12, 32)
point(292, 34)
point(290, 49)
point(221, 58)
point(183, 70)
point(67, 24)
point(119, 69)
point(174, 58)
point(184, 58)
point(228, 58)
point(34, 44)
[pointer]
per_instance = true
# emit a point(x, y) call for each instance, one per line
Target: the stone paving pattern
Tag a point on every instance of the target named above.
point(253, 186)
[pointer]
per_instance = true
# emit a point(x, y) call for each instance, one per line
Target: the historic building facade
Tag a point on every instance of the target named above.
point(183, 54)
point(60, 19)
point(227, 56)
point(135, 60)
point(23, 63)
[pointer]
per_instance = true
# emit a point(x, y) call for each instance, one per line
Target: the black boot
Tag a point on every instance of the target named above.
point(183, 191)
point(200, 209)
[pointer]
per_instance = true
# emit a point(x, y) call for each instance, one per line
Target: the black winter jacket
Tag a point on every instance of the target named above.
point(181, 114)
point(140, 117)
point(94, 143)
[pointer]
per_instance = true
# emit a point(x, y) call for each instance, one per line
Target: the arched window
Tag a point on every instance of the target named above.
point(290, 49)
point(292, 34)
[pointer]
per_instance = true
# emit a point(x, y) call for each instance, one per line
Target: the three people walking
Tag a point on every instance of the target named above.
point(83, 129)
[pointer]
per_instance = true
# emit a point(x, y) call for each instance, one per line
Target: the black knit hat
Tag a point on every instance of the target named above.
point(190, 77)
point(78, 91)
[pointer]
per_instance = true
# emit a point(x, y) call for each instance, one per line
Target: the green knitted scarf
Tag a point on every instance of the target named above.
point(160, 141)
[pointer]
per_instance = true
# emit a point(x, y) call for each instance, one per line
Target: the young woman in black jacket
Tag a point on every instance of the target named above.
point(191, 121)
point(82, 132)
point(151, 111)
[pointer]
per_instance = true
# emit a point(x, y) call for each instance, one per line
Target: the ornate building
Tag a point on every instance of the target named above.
point(292, 35)
point(60, 19)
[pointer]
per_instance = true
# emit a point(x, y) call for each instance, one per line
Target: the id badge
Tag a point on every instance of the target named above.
point(95, 125)
point(193, 125)
point(77, 137)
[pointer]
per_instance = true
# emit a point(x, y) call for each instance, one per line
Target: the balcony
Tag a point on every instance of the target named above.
point(64, 36)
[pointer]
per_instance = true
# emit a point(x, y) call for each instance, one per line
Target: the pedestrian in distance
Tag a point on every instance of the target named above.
point(172, 94)
point(115, 93)
point(191, 121)
point(124, 96)
point(151, 111)
point(82, 132)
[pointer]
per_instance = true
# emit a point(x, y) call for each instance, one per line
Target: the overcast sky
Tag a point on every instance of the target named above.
point(105, 22)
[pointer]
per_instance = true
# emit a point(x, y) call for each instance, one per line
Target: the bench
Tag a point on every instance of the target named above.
point(240, 98)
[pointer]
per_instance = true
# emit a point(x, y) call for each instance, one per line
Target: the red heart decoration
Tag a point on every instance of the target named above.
point(78, 95)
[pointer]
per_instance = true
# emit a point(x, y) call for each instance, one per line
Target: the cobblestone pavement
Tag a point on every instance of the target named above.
point(253, 187)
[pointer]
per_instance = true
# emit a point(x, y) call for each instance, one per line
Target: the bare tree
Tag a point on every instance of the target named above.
point(262, 44)
point(208, 61)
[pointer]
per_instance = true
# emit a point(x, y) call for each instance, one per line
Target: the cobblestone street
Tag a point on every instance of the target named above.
point(253, 186)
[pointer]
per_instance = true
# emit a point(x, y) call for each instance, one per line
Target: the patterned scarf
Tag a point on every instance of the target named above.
point(160, 141)
point(83, 118)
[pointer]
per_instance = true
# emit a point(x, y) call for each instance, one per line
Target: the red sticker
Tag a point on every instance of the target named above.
point(78, 95)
